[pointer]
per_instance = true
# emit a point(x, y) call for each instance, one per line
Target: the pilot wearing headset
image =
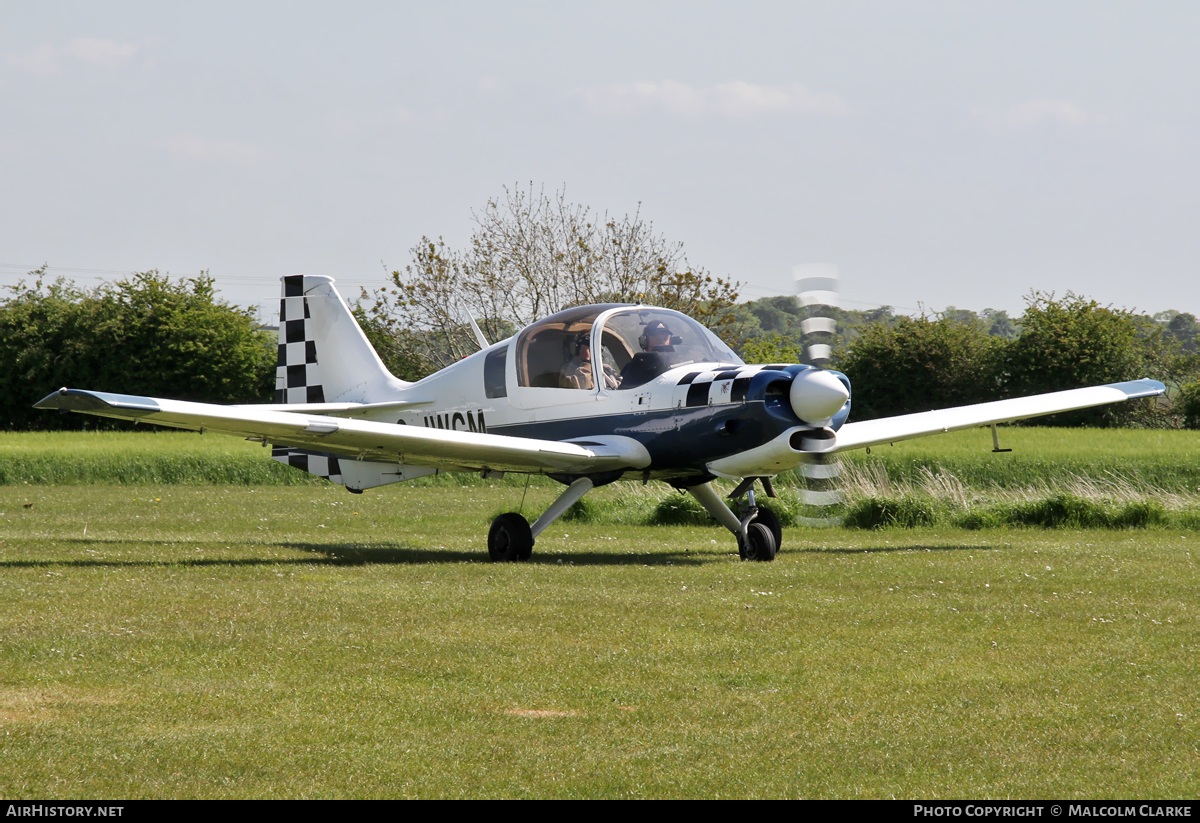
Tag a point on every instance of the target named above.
point(652, 361)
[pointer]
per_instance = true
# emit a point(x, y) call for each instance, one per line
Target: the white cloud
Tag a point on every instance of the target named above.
point(736, 99)
point(42, 60)
point(490, 84)
point(105, 54)
point(47, 59)
point(1035, 112)
point(192, 148)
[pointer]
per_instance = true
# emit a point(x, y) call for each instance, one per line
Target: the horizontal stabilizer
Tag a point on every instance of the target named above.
point(340, 409)
point(355, 475)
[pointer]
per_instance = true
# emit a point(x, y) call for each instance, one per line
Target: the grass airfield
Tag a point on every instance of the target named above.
point(298, 641)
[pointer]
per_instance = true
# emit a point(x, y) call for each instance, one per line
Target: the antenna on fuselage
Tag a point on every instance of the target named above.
point(483, 343)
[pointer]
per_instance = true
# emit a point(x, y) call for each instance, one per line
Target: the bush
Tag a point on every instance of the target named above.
point(1073, 343)
point(1059, 511)
point(582, 510)
point(979, 519)
point(680, 510)
point(1138, 515)
point(920, 364)
point(1189, 405)
point(142, 335)
point(886, 512)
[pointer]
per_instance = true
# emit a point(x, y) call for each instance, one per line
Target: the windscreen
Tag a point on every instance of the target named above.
point(641, 343)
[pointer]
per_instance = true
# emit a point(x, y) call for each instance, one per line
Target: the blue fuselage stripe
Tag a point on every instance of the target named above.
point(675, 438)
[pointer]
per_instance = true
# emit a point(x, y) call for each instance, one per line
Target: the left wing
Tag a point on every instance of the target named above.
point(365, 439)
point(908, 426)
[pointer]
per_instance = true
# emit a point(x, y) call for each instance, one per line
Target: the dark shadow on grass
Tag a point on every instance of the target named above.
point(358, 554)
point(396, 554)
point(179, 564)
point(918, 547)
point(333, 555)
point(385, 553)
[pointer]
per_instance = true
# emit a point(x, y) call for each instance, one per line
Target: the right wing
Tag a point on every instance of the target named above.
point(908, 426)
point(365, 439)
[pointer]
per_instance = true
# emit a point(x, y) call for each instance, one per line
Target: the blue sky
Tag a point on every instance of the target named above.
point(938, 153)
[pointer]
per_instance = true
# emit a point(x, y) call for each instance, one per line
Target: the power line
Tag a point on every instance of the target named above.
point(96, 275)
point(755, 287)
point(266, 280)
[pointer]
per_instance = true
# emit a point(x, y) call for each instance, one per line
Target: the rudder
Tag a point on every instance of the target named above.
point(323, 355)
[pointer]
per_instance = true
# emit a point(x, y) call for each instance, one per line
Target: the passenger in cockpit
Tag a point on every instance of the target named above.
point(577, 374)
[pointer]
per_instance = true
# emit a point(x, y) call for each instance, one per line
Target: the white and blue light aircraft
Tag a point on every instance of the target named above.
point(586, 396)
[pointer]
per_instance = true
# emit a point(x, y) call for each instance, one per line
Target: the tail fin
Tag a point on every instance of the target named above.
point(324, 357)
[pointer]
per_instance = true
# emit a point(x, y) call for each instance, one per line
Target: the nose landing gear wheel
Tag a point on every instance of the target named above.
point(771, 520)
point(510, 539)
point(759, 544)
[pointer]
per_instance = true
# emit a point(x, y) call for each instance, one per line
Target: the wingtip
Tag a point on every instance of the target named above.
point(81, 400)
point(1145, 387)
point(50, 401)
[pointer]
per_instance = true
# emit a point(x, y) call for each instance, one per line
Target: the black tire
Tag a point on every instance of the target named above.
point(510, 539)
point(771, 520)
point(759, 544)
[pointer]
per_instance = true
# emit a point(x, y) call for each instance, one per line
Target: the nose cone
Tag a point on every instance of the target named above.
point(816, 396)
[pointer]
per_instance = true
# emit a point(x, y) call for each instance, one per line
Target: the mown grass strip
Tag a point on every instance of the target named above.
point(160, 457)
point(175, 641)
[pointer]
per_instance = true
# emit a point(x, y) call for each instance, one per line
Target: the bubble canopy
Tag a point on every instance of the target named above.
point(631, 344)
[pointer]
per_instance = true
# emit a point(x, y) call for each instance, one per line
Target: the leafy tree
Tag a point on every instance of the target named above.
point(1184, 328)
point(899, 364)
point(1189, 405)
point(770, 328)
point(961, 315)
point(773, 348)
point(142, 335)
point(999, 324)
point(921, 364)
point(532, 255)
point(1071, 343)
point(397, 349)
point(883, 314)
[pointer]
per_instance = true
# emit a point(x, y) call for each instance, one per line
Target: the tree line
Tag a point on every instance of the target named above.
point(899, 364)
point(145, 334)
point(531, 255)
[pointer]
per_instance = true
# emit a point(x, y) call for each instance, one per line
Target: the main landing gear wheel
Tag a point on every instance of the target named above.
point(771, 520)
point(758, 545)
point(510, 539)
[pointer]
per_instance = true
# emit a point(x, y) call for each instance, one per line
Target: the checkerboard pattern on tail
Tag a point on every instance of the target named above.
point(322, 464)
point(297, 371)
point(298, 376)
point(325, 358)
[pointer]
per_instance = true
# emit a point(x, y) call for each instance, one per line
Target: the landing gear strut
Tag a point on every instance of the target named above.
point(511, 537)
point(758, 531)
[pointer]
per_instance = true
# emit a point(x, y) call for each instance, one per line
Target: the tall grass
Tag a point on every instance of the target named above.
point(1161, 459)
point(1052, 478)
point(164, 457)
